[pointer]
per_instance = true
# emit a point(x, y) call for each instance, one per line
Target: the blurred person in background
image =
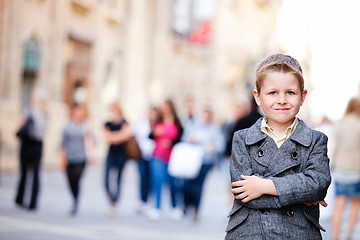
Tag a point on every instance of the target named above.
point(33, 126)
point(73, 152)
point(325, 126)
point(166, 133)
point(209, 136)
point(142, 133)
point(116, 132)
point(240, 111)
point(188, 119)
point(345, 166)
point(242, 123)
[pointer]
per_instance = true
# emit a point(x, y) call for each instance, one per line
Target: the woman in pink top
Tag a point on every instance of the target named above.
point(166, 132)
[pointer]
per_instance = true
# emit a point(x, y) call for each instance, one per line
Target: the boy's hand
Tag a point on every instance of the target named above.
point(322, 203)
point(252, 187)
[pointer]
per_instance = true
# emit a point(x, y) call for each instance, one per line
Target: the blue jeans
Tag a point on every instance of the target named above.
point(160, 176)
point(145, 179)
point(349, 190)
point(115, 163)
point(193, 187)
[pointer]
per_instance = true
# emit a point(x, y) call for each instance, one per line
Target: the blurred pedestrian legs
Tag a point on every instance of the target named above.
point(166, 132)
point(73, 151)
point(31, 134)
point(142, 131)
point(116, 132)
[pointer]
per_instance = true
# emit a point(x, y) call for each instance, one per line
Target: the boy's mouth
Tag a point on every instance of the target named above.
point(282, 109)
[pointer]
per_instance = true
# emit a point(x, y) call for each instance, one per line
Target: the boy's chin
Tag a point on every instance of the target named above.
point(284, 121)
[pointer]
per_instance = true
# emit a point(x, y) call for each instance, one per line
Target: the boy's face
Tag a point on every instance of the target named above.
point(280, 98)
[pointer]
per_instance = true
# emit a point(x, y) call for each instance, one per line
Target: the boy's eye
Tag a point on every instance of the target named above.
point(290, 93)
point(272, 93)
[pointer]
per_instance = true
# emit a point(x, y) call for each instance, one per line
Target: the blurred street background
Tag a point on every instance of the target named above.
point(93, 221)
point(139, 53)
point(52, 221)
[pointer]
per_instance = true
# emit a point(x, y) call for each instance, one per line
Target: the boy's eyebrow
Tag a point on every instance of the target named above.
point(276, 89)
point(292, 89)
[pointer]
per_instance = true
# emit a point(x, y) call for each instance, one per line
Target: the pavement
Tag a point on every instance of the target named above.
point(53, 221)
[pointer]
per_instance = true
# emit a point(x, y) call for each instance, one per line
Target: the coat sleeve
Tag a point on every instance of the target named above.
point(312, 182)
point(241, 165)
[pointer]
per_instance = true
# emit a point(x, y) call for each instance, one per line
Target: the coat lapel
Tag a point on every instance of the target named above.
point(277, 160)
point(302, 134)
point(254, 134)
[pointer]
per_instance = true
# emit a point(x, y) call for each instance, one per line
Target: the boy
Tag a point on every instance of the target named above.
point(279, 167)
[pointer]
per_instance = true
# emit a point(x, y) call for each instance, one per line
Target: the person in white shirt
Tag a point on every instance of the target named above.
point(142, 131)
point(209, 136)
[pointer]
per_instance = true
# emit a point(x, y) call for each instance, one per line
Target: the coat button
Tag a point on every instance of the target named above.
point(290, 213)
point(294, 155)
point(261, 153)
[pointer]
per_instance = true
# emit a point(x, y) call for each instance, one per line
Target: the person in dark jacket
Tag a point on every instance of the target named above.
point(116, 132)
point(243, 123)
point(31, 147)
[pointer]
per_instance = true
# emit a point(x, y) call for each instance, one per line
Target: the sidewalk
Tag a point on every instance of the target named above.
point(52, 220)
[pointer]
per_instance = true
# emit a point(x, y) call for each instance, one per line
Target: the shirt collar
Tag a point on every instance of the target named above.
point(302, 134)
point(265, 128)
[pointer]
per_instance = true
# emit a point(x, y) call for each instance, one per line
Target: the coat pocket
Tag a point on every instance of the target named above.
point(237, 215)
point(312, 214)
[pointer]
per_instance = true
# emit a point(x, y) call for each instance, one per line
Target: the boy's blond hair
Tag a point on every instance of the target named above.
point(278, 63)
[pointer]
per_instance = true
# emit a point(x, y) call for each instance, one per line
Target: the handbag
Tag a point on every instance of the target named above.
point(185, 160)
point(132, 149)
point(24, 133)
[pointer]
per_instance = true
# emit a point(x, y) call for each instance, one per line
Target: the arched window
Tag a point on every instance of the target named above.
point(31, 62)
point(31, 66)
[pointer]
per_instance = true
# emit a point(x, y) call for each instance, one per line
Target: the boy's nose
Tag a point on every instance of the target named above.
point(282, 99)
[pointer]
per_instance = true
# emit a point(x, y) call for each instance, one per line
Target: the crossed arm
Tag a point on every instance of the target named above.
point(253, 187)
point(307, 187)
point(119, 136)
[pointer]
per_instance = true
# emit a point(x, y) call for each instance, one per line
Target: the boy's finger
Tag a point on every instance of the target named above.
point(237, 190)
point(323, 203)
point(241, 196)
point(236, 184)
point(246, 199)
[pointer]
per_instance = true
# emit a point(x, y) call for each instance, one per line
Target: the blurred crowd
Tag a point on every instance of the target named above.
point(199, 145)
point(203, 145)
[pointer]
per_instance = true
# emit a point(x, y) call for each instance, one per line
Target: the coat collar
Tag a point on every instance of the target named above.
point(302, 134)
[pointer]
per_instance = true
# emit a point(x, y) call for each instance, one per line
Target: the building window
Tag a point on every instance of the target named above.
point(31, 62)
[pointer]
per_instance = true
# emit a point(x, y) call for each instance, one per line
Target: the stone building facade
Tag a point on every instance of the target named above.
point(57, 46)
point(126, 51)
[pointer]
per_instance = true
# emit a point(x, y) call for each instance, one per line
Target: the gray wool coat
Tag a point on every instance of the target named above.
point(301, 174)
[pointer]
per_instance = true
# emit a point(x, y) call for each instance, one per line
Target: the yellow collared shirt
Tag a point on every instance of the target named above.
point(265, 128)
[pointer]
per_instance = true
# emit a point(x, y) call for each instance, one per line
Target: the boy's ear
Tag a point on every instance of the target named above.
point(303, 96)
point(257, 97)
